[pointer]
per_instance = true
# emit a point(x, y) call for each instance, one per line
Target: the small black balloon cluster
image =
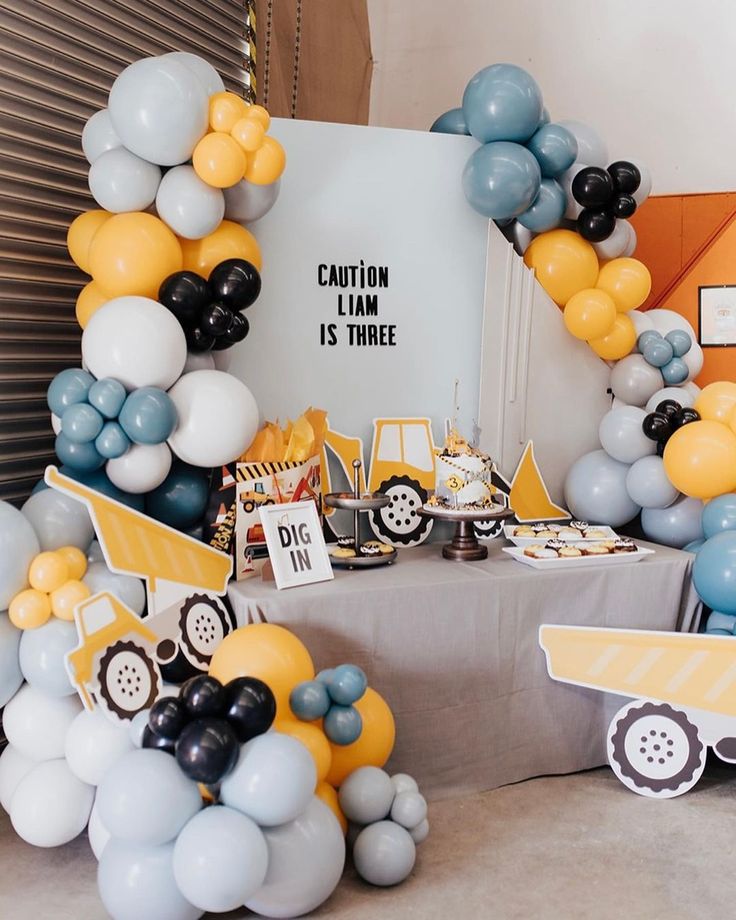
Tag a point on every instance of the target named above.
point(204, 726)
point(210, 311)
point(661, 424)
point(604, 194)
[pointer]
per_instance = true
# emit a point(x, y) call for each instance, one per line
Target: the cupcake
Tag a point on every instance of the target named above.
point(546, 534)
point(596, 549)
point(523, 531)
point(569, 533)
point(555, 544)
point(595, 534)
point(383, 548)
point(579, 525)
point(624, 545)
point(369, 550)
point(545, 553)
point(343, 552)
point(533, 549)
point(569, 552)
point(345, 541)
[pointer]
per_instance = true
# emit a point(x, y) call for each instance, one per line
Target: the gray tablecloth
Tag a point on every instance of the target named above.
point(453, 648)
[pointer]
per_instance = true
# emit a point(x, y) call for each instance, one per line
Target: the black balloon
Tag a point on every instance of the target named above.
point(236, 333)
point(660, 448)
point(251, 707)
point(207, 750)
point(668, 407)
point(186, 294)
point(198, 341)
point(592, 187)
point(685, 416)
point(656, 426)
point(203, 697)
point(158, 742)
point(624, 205)
point(167, 717)
point(178, 669)
point(626, 177)
point(236, 283)
point(216, 319)
point(595, 226)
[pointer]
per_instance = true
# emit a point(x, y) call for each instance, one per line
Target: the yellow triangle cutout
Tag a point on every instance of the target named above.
point(529, 496)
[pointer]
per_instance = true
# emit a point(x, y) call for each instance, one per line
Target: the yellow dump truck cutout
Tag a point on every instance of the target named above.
point(684, 699)
point(117, 663)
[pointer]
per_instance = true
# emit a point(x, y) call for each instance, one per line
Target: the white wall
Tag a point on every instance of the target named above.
point(657, 78)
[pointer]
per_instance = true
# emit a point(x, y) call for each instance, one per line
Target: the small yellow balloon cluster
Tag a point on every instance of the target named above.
point(237, 146)
point(55, 588)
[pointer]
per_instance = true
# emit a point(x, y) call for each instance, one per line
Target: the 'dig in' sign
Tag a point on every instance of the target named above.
point(296, 538)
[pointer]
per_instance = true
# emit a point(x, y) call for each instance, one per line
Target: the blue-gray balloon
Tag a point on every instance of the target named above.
point(555, 149)
point(112, 441)
point(348, 684)
point(81, 423)
point(42, 653)
point(148, 416)
point(58, 520)
point(305, 863)
point(648, 485)
point(501, 180)
point(384, 853)
point(680, 341)
point(342, 724)
point(19, 543)
point(657, 352)
point(724, 623)
point(107, 396)
point(11, 676)
point(677, 525)
point(547, 209)
point(310, 700)
point(595, 490)
point(450, 122)
point(675, 371)
point(68, 387)
point(502, 103)
point(127, 588)
point(367, 795)
point(79, 456)
point(136, 882)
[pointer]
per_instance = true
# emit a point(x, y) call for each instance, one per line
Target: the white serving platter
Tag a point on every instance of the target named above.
point(508, 532)
point(517, 553)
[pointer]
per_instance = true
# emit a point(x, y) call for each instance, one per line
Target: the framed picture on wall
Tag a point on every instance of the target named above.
point(717, 316)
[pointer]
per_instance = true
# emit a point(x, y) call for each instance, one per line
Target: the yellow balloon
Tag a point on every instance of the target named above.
point(75, 560)
point(313, 739)
point(80, 233)
point(563, 262)
point(716, 401)
point(700, 459)
point(219, 160)
point(590, 314)
point(267, 163)
point(132, 253)
point(373, 747)
point(258, 113)
point(89, 301)
point(268, 652)
point(229, 241)
point(225, 109)
point(66, 598)
point(29, 609)
point(328, 794)
point(249, 134)
point(48, 571)
point(627, 281)
point(618, 342)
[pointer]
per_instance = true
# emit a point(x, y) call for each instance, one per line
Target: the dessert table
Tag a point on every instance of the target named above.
point(453, 648)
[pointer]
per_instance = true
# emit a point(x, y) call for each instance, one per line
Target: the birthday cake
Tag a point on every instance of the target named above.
point(463, 476)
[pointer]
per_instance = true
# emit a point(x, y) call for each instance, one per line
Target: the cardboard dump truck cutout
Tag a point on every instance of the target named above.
point(117, 663)
point(684, 689)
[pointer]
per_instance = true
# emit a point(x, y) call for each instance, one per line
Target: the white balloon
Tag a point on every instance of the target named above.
point(127, 588)
point(188, 205)
point(10, 673)
point(694, 360)
point(13, 767)
point(202, 69)
point(631, 245)
point(667, 320)
point(420, 833)
point(135, 340)
point(36, 724)
point(199, 361)
point(142, 467)
point(384, 853)
point(223, 359)
point(97, 834)
point(616, 244)
point(94, 743)
point(247, 202)
point(693, 389)
point(19, 543)
point(572, 212)
point(121, 181)
point(402, 782)
point(218, 418)
point(621, 435)
point(641, 321)
point(41, 656)
point(645, 186)
point(159, 109)
point(592, 149)
point(648, 485)
point(676, 525)
point(679, 394)
point(50, 806)
point(98, 136)
point(94, 552)
point(55, 423)
point(633, 380)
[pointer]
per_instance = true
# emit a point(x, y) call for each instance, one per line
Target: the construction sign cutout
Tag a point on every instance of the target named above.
point(117, 663)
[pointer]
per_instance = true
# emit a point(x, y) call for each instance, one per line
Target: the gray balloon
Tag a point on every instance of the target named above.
point(58, 520)
point(595, 490)
point(409, 809)
point(145, 797)
point(136, 882)
point(305, 863)
point(137, 727)
point(94, 553)
point(18, 545)
point(384, 853)
point(188, 205)
point(621, 434)
point(11, 676)
point(648, 485)
point(404, 783)
point(121, 181)
point(420, 833)
point(127, 588)
point(247, 202)
point(677, 525)
point(634, 381)
point(98, 136)
point(42, 653)
point(202, 69)
point(366, 795)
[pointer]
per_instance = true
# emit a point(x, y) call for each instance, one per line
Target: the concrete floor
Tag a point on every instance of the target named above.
point(575, 847)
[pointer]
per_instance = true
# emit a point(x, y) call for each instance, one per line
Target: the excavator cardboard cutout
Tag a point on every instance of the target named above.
point(117, 663)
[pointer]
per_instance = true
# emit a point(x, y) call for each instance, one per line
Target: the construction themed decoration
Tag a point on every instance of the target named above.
point(296, 544)
point(528, 495)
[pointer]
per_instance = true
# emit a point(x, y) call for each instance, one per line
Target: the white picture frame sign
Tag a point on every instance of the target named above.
point(296, 545)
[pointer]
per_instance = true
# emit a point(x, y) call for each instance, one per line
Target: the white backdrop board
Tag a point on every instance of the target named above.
point(382, 212)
